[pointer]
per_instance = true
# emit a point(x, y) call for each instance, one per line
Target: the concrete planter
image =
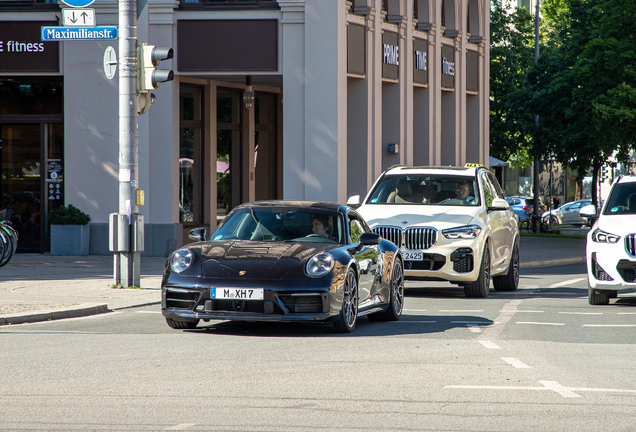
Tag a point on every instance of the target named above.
point(71, 240)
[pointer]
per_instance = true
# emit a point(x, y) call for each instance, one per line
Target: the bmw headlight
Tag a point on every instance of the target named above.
point(463, 232)
point(319, 265)
point(600, 236)
point(181, 260)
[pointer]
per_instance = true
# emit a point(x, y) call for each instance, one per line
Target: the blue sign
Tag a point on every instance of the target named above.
point(79, 33)
point(78, 3)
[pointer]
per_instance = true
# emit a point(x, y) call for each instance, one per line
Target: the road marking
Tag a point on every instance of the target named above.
point(149, 312)
point(562, 390)
point(415, 310)
point(567, 282)
point(473, 328)
point(477, 387)
point(460, 310)
point(582, 313)
point(540, 323)
point(493, 332)
point(609, 325)
point(627, 313)
point(517, 311)
point(182, 426)
point(489, 344)
point(584, 389)
point(516, 363)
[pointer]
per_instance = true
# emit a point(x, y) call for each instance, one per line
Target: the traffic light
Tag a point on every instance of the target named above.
point(604, 173)
point(150, 78)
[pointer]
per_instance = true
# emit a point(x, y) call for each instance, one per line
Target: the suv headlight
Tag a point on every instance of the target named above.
point(464, 232)
point(600, 236)
point(319, 265)
point(181, 260)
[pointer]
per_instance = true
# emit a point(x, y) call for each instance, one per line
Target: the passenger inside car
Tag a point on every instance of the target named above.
point(404, 193)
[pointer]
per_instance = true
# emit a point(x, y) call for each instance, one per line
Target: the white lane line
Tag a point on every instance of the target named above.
point(540, 323)
point(460, 310)
point(516, 363)
point(627, 313)
point(181, 426)
point(608, 325)
point(489, 344)
point(415, 310)
point(582, 313)
point(562, 390)
point(148, 312)
point(473, 328)
point(567, 282)
point(478, 387)
point(522, 311)
point(587, 389)
point(493, 332)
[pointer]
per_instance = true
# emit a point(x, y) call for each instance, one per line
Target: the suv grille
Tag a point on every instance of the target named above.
point(411, 238)
point(630, 244)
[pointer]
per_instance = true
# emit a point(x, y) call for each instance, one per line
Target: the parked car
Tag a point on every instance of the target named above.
point(451, 224)
point(523, 206)
point(567, 214)
point(611, 243)
point(285, 261)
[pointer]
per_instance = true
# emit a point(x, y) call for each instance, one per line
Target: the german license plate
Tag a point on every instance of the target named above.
point(413, 256)
point(237, 293)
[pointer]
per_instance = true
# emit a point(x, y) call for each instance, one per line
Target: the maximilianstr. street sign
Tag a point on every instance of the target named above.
point(79, 33)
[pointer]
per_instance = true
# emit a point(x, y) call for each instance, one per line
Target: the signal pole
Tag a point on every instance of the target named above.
point(127, 253)
point(535, 188)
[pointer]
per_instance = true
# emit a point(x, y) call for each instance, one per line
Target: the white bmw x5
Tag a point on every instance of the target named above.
point(611, 243)
point(452, 224)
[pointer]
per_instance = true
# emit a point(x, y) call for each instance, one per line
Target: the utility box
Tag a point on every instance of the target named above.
point(137, 232)
point(118, 232)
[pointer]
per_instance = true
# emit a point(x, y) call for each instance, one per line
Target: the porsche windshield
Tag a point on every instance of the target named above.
point(426, 189)
point(282, 224)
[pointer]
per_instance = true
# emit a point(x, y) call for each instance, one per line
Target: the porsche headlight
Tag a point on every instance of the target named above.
point(463, 232)
point(319, 265)
point(181, 260)
point(600, 236)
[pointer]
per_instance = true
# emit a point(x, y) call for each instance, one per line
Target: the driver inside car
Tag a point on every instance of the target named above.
point(321, 226)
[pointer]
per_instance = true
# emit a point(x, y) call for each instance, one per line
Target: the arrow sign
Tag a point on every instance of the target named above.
point(78, 17)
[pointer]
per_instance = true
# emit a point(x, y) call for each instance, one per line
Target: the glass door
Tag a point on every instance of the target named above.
point(228, 151)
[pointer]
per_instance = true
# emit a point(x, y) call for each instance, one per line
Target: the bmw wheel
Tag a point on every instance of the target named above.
point(597, 297)
point(480, 288)
point(509, 281)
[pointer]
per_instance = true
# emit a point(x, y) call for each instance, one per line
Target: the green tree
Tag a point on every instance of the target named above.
point(511, 59)
point(584, 87)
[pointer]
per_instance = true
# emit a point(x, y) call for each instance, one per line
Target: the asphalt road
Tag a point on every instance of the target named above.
point(538, 359)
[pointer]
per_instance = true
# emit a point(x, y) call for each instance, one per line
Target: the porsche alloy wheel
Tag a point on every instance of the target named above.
point(349, 312)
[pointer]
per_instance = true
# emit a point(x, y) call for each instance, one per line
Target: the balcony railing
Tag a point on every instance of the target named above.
point(28, 4)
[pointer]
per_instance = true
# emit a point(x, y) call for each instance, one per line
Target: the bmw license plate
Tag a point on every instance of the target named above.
point(412, 255)
point(236, 293)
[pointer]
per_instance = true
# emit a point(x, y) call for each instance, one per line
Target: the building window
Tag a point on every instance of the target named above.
point(28, 4)
point(190, 155)
point(230, 4)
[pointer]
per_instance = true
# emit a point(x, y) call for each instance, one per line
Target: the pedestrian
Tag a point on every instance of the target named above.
point(555, 202)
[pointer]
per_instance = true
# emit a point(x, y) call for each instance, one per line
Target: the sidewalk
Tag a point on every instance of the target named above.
point(36, 287)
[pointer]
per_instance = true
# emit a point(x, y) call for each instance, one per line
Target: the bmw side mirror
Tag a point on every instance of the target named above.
point(499, 204)
point(197, 234)
point(370, 239)
point(354, 201)
point(588, 211)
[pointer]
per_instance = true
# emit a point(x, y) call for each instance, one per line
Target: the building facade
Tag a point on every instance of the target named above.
point(339, 91)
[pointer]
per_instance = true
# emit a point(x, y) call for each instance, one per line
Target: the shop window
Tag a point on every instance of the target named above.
point(190, 155)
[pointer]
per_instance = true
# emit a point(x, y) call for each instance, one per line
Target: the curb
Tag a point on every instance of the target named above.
point(52, 314)
point(552, 263)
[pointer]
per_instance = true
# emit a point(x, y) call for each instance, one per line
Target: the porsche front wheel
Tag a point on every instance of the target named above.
point(182, 325)
point(394, 310)
point(349, 312)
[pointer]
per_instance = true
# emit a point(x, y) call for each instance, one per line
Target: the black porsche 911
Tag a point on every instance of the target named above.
point(285, 261)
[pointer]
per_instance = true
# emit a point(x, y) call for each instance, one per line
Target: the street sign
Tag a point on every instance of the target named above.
point(79, 33)
point(78, 3)
point(78, 17)
point(110, 62)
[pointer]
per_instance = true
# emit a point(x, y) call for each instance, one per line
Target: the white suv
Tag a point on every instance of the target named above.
point(453, 224)
point(611, 243)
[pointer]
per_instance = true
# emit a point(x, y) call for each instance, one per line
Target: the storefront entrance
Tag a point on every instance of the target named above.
point(31, 157)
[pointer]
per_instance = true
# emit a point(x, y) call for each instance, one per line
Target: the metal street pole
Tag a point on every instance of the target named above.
point(126, 259)
point(536, 122)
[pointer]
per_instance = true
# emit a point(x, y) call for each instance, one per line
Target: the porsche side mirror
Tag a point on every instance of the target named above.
point(370, 239)
point(499, 204)
point(197, 234)
point(354, 201)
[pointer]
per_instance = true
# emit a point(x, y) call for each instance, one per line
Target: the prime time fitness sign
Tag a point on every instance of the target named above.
point(22, 50)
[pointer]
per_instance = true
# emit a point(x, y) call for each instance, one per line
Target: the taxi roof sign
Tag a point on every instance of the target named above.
point(473, 165)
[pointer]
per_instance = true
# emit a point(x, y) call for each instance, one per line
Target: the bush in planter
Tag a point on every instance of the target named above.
point(70, 215)
point(69, 231)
